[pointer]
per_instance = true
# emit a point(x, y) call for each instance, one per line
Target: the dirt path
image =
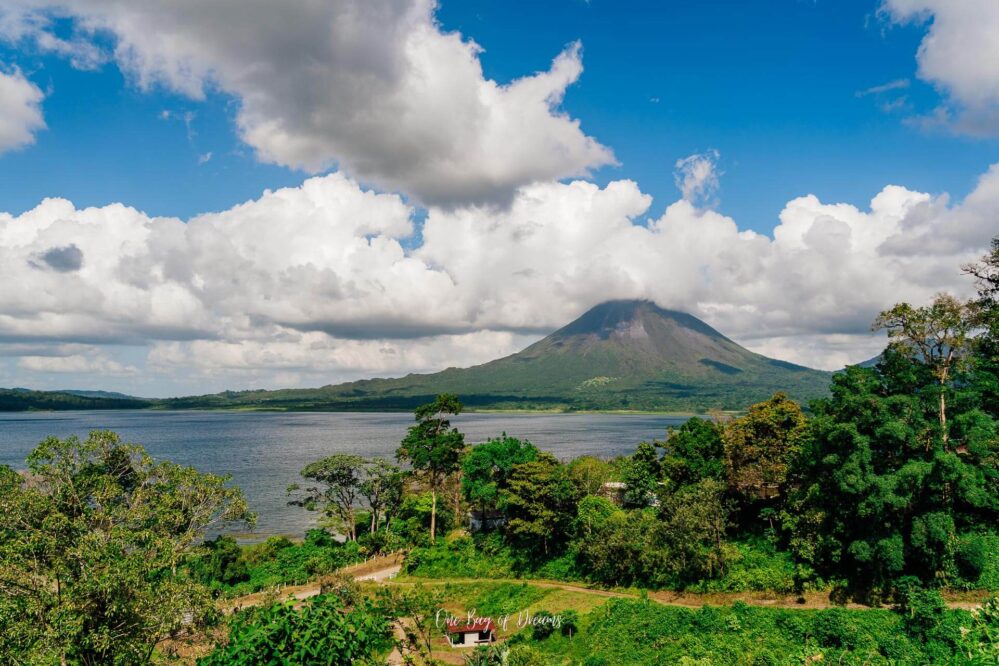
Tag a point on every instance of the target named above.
point(385, 570)
point(808, 601)
point(377, 569)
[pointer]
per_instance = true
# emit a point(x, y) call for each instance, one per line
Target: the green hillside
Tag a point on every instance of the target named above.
point(20, 400)
point(621, 355)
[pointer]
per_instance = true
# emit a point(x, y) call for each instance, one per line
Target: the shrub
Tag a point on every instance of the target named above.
point(458, 558)
point(544, 625)
point(323, 631)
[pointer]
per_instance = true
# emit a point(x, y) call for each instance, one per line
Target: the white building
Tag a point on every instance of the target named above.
point(470, 635)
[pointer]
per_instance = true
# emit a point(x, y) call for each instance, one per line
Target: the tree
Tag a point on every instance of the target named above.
point(487, 468)
point(382, 487)
point(694, 452)
point(760, 446)
point(570, 623)
point(695, 519)
point(222, 563)
point(417, 613)
point(589, 474)
point(433, 447)
point(986, 273)
point(91, 536)
point(880, 496)
point(622, 547)
point(591, 515)
point(540, 502)
point(338, 480)
point(986, 376)
point(641, 476)
point(937, 336)
point(682, 545)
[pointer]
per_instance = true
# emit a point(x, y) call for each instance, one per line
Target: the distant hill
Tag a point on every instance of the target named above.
point(20, 400)
point(871, 362)
point(620, 355)
point(109, 395)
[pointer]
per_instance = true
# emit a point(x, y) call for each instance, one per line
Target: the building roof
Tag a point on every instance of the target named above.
point(464, 628)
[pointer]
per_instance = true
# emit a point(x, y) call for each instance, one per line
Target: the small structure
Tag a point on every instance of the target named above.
point(614, 491)
point(480, 632)
point(485, 520)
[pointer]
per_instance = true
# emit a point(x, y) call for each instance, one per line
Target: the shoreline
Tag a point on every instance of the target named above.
point(278, 410)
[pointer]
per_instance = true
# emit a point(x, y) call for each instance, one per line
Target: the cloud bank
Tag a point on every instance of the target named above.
point(312, 284)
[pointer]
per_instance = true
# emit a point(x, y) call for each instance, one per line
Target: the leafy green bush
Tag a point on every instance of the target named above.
point(755, 565)
point(323, 631)
point(234, 571)
point(458, 558)
point(979, 637)
point(978, 561)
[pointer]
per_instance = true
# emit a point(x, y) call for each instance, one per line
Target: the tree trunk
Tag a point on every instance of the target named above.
point(433, 515)
point(943, 416)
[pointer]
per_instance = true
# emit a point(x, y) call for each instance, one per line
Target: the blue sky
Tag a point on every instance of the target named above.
point(774, 90)
point(444, 204)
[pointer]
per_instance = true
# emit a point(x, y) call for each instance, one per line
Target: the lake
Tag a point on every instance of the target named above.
point(264, 451)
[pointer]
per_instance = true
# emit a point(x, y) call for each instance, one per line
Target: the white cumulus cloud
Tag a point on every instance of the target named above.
point(373, 86)
point(960, 55)
point(20, 110)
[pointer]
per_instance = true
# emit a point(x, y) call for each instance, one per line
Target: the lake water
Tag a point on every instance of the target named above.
point(264, 451)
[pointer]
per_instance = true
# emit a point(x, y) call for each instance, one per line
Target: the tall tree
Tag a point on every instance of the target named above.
point(433, 447)
point(90, 541)
point(694, 452)
point(641, 476)
point(338, 486)
point(589, 474)
point(382, 488)
point(487, 468)
point(540, 501)
point(986, 274)
point(759, 446)
point(938, 336)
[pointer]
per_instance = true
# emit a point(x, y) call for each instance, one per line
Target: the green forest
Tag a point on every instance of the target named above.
point(869, 518)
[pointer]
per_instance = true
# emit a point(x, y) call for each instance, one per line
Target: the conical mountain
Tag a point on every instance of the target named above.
point(620, 355)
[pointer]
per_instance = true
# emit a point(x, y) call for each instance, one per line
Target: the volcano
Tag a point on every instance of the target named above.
point(619, 355)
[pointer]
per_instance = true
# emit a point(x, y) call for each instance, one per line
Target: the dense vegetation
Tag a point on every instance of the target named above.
point(643, 632)
point(886, 492)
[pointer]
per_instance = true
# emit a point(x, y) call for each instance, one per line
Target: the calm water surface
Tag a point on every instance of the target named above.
point(265, 451)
